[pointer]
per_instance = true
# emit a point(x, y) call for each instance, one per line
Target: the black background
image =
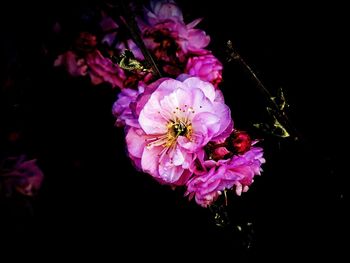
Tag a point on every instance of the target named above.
point(93, 202)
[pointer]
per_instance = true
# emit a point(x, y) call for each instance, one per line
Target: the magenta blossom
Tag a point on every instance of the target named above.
point(168, 37)
point(223, 175)
point(177, 120)
point(18, 175)
point(206, 67)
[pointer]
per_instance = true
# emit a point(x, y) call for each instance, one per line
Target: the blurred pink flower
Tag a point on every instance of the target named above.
point(74, 65)
point(177, 120)
point(18, 175)
point(159, 11)
point(206, 67)
point(222, 175)
point(102, 69)
point(99, 68)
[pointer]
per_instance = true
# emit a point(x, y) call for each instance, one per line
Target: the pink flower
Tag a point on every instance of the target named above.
point(222, 175)
point(206, 67)
point(102, 69)
point(177, 120)
point(169, 38)
point(18, 175)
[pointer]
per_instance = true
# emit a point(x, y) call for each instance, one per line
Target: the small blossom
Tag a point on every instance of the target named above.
point(223, 175)
point(169, 38)
point(206, 67)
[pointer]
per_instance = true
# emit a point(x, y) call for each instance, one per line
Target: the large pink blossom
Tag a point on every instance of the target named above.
point(176, 121)
point(206, 67)
point(217, 176)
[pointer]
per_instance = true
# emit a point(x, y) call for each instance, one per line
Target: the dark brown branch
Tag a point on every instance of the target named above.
point(136, 36)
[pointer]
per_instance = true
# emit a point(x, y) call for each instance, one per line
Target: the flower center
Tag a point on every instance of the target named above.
point(176, 129)
point(180, 129)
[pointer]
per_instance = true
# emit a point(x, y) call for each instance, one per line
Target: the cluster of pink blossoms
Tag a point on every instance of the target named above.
point(178, 128)
point(181, 132)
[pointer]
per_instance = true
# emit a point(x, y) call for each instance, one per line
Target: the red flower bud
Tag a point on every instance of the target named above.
point(239, 142)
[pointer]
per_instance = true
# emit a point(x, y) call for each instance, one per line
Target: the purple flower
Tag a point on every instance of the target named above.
point(122, 108)
point(206, 67)
point(177, 120)
point(222, 175)
point(18, 175)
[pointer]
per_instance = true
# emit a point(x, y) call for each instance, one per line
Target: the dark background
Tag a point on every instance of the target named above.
point(93, 202)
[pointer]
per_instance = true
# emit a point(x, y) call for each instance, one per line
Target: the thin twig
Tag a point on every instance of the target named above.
point(279, 115)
